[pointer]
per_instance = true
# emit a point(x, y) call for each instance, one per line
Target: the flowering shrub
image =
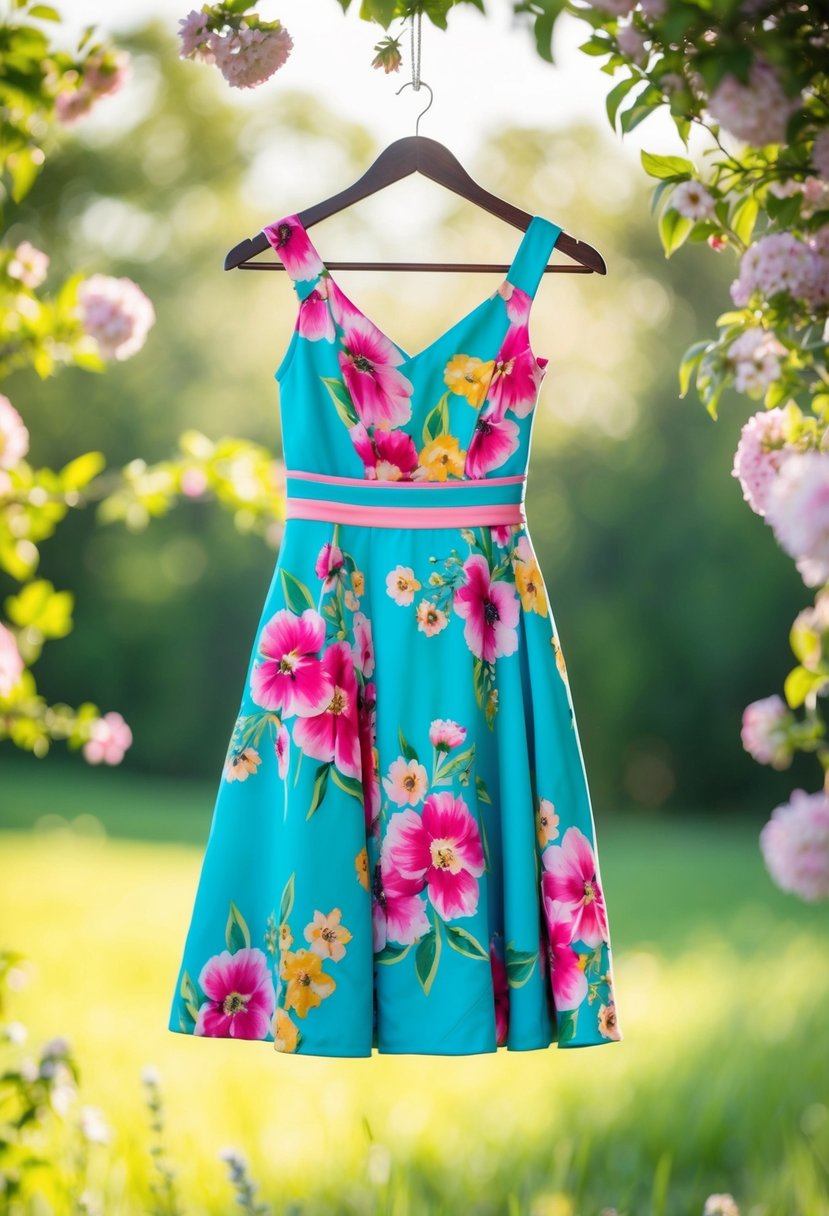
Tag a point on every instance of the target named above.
point(245, 49)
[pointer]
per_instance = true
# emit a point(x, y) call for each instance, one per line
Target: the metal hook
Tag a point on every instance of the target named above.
point(411, 84)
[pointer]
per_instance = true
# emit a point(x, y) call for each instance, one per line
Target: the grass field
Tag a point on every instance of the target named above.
point(721, 1083)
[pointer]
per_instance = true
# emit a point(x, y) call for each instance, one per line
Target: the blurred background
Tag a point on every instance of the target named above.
point(673, 606)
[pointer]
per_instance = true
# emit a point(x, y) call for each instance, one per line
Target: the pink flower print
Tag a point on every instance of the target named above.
point(381, 394)
point(398, 912)
point(516, 377)
point(342, 310)
point(363, 648)
point(567, 980)
point(517, 301)
point(570, 877)
point(333, 733)
point(240, 996)
point(290, 676)
point(314, 321)
point(401, 585)
point(491, 610)
point(297, 254)
point(441, 846)
point(407, 782)
point(431, 620)
point(367, 721)
point(501, 534)
point(364, 448)
point(493, 442)
point(500, 987)
point(396, 457)
point(281, 747)
point(328, 565)
point(445, 734)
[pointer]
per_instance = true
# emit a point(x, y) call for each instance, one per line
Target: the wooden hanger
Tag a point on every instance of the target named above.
point(417, 154)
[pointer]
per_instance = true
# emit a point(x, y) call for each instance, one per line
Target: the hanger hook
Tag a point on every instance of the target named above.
point(411, 84)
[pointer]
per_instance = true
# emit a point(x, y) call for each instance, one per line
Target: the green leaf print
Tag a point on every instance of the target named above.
point(287, 901)
point(520, 965)
point(349, 784)
point(342, 401)
point(392, 953)
point(463, 941)
point(427, 958)
point(566, 1022)
point(483, 679)
point(483, 792)
point(190, 996)
point(437, 420)
point(406, 747)
point(320, 786)
point(297, 595)
point(463, 760)
point(237, 934)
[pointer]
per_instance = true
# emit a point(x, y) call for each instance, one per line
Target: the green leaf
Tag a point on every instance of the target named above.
point(44, 12)
point(237, 934)
point(342, 400)
point(668, 168)
point(392, 953)
point(427, 957)
point(437, 420)
point(566, 1025)
point(349, 784)
point(382, 11)
point(597, 44)
point(617, 95)
point(673, 230)
point(320, 786)
point(406, 747)
point(286, 903)
point(483, 792)
point(463, 941)
point(520, 965)
point(647, 101)
point(38, 606)
point(460, 761)
point(297, 595)
point(799, 683)
point(745, 217)
point(690, 361)
point(80, 471)
point(190, 996)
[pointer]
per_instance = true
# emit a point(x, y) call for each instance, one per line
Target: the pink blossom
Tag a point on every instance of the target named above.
point(765, 731)
point(290, 241)
point(288, 675)
point(104, 73)
point(571, 876)
point(653, 9)
point(11, 663)
point(14, 435)
point(795, 845)
point(381, 394)
point(500, 988)
point(493, 442)
point(398, 912)
point(108, 740)
point(619, 8)
point(248, 56)
point(116, 313)
point(442, 847)
point(501, 534)
point(396, 457)
point(240, 996)
point(363, 648)
point(282, 750)
point(757, 112)
point(314, 321)
point(407, 782)
point(333, 732)
point(759, 456)
point(755, 355)
point(693, 200)
point(568, 982)
point(818, 244)
point(490, 608)
point(720, 1205)
point(717, 242)
point(632, 43)
point(29, 265)
point(778, 262)
point(516, 377)
point(193, 33)
point(820, 153)
point(517, 301)
point(444, 734)
point(193, 482)
point(329, 564)
point(798, 511)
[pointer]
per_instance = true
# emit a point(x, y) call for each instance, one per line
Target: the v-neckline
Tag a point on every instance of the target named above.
point(409, 360)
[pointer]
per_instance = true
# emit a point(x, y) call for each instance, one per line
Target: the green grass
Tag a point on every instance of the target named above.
point(720, 1084)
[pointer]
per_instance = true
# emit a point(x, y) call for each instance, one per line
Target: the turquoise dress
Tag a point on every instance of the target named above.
point(402, 855)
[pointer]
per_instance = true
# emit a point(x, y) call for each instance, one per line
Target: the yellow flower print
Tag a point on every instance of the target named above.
point(442, 458)
point(327, 936)
point(361, 866)
point(241, 764)
point(469, 377)
point(530, 586)
point(308, 985)
point(286, 937)
point(559, 657)
point(358, 582)
point(285, 1031)
point(546, 822)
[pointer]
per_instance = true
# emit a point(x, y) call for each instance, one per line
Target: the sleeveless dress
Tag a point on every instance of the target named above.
point(402, 856)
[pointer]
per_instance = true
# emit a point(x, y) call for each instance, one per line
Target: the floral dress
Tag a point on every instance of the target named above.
point(402, 856)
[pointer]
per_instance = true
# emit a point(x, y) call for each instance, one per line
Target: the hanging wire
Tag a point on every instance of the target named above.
point(415, 83)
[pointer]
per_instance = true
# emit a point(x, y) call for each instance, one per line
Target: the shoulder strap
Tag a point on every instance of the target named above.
point(533, 253)
point(293, 247)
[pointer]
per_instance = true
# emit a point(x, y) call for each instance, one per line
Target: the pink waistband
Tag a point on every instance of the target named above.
point(411, 517)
